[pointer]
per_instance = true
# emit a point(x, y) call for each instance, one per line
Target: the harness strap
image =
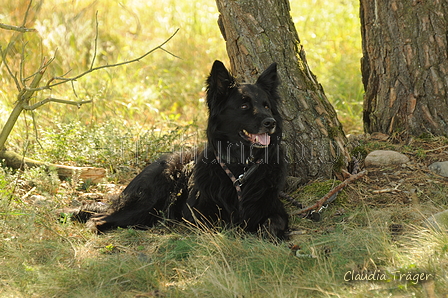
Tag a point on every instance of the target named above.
point(237, 183)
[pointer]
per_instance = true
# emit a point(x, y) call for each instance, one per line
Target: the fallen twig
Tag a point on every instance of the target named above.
point(436, 149)
point(322, 201)
point(386, 190)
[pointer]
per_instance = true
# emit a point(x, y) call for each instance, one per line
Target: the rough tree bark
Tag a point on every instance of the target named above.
point(405, 66)
point(258, 33)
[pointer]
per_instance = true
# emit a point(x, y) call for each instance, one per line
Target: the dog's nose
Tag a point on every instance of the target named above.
point(269, 122)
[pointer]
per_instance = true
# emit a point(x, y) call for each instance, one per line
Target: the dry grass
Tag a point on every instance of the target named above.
point(361, 233)
point(150, 103)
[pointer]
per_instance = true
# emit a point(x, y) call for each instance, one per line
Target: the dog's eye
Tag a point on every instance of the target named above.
point(267, 107)
point(244, 106)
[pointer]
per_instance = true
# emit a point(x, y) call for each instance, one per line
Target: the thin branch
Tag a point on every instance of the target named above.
point(54, 78)
point(13, 76)
point(322, 201)
point(16, 28)
point(50, 99)
point(28, 92)
point(64, 80)
point(22, 64)
point(22, 28)
point(166, 51)
point(26, 13)
point(73, 89)
point(36, 133)
point(96, 40)
point(44, 65)
point(386, 190)
point(22, 99)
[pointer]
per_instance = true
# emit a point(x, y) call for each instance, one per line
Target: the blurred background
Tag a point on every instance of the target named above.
point(151, 106)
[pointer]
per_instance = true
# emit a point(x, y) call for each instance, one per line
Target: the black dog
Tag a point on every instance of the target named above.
point(235, 180)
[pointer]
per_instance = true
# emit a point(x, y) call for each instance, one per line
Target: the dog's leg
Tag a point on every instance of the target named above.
point(274, 227)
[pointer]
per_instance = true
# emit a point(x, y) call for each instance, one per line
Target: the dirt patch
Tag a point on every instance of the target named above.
point(397, 196)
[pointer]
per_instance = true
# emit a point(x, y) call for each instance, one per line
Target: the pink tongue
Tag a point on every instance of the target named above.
point(263, 138)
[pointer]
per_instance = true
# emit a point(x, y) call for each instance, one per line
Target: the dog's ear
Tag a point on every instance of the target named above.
point(268, 80)
point(218, 84)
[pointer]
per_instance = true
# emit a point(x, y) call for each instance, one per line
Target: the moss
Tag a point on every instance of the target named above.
point(334, 131)
point(359, 152)
point(339, 163)
point(312, 192)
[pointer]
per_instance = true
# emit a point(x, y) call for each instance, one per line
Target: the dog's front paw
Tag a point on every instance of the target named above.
point(274, 228)
point(95, 222)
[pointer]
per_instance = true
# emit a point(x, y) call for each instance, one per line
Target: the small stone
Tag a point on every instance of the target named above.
point(439, 168)
point(379, 158)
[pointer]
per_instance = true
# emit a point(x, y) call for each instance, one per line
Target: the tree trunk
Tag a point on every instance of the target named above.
point(258, 33)
point(405, 66)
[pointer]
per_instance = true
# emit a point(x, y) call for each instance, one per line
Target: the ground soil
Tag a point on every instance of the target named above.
point(400, 196)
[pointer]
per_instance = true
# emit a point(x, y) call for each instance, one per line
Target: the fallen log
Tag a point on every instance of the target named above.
point(16, 161)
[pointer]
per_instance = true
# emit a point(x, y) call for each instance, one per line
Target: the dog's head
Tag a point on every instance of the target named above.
point(243, 113)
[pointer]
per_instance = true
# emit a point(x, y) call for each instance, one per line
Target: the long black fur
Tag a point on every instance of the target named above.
point(185, 187)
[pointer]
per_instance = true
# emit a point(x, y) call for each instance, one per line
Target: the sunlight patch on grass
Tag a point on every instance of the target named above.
point(41, 256)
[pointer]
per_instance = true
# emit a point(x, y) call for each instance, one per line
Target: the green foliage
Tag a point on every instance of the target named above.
point(5, 183)
point(330, 34)
point(110, 145)
point(160, 87)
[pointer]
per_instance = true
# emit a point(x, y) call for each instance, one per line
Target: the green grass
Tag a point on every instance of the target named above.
point(154, 106)
point(43, 255)
point(330, 34)
point(43, 258)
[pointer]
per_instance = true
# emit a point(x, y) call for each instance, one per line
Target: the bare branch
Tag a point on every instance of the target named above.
point(50, 99)
point(26, 13)
point(13, 76)
point(22, 28)
point(28, 91)
point(22, 64)
point(16, 28)
point(166, 51)
point(44, 65)
point(36, 133)
point(64, 80)
point(436, 149)
point(73, 89)
point(322, 201)
point(96, 40)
